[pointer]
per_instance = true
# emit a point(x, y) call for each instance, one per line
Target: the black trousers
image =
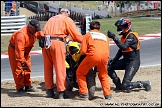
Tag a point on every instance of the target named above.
point(130, 70)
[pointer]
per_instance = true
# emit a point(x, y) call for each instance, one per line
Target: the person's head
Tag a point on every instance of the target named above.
point(94, 25)
point(65, 11)
point(73, 47)
point(33, 26)
point(123, 26)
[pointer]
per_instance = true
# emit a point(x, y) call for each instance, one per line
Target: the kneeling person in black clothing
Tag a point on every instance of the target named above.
point(129, 48)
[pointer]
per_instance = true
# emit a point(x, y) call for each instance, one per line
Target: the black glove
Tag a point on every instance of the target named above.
point(24, 66)
point(111, 35)
point(110, 61)
point(41, 41)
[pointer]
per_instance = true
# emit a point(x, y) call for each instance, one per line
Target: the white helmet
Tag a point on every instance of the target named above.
point(65, 10)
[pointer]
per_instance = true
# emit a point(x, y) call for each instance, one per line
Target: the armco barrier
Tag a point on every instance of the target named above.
point(10, 24)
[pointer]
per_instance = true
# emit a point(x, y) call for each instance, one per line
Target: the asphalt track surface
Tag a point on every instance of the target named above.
point(150, 56)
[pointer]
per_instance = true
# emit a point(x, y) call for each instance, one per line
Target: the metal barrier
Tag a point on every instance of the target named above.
point(10, 24)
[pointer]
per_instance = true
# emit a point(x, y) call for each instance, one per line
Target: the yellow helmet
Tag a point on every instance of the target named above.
point(73, 48)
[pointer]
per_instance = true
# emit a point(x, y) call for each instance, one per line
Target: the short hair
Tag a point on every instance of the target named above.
point(95, 25)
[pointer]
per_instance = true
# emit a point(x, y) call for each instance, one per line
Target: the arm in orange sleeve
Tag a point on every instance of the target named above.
point(72, 30)
point(39, 34)
point(20, 47)
point(84, 44)
point(108, 46)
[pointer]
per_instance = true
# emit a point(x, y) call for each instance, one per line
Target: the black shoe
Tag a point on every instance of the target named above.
point(50, 93)
point(147, 85)
point(108, 96)
point(83, 97)
point(21, 91)
point(62, 95)
point(66, 96)
point(31, 89)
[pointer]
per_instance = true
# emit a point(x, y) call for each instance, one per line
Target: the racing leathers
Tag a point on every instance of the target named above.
point(129, 48)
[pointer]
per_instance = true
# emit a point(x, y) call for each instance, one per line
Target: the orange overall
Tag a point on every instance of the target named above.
point(58, 26)
point(18, 51)
point(96, 47)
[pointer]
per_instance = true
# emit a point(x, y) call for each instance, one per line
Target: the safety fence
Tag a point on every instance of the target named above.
point(10, 24)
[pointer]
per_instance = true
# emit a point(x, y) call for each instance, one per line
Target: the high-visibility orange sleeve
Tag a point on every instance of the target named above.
point(19, 47)
point(84, 45)
point(39, 34)
point(73, 31)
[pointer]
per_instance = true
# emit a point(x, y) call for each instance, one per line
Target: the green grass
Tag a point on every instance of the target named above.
point(85, 4)
point(140, 25)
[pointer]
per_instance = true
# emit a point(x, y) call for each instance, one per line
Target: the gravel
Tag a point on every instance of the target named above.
point(137, 98)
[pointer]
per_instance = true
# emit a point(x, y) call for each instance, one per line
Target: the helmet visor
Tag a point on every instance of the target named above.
point(120, 29)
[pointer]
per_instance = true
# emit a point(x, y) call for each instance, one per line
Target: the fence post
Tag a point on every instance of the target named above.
point(17, 8)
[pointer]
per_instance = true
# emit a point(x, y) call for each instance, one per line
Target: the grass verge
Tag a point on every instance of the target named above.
point(140, 25)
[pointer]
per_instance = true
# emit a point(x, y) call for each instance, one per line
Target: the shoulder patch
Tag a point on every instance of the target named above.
point(19, 40)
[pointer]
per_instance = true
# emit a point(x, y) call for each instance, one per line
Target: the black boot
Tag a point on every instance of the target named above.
point(21, 91)
point(50, 93)
point(31, 89)
point(127, 87)
point(139, 84)
point(83, 97)
point(117, 83)
point(62, 95)
point(108, 96)
point(115, 79)
point(145, 84)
